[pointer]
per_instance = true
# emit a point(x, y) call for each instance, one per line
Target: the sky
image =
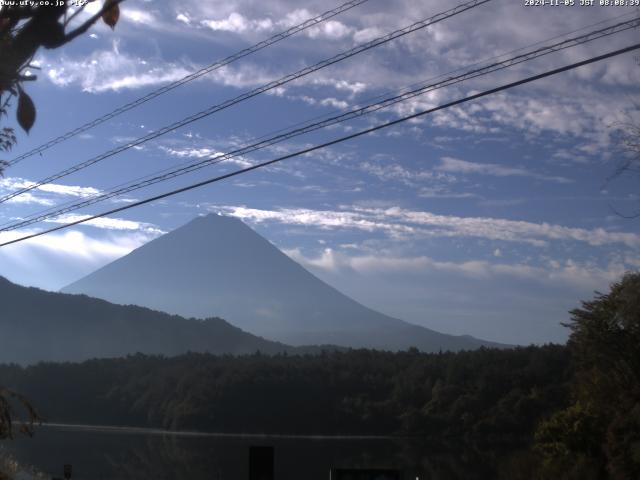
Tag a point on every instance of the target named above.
point(494, 218)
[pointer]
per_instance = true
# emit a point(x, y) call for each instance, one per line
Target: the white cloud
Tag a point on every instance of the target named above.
point(70, 190)
point(395, 171)
point(204, 152)
point(315, 218)
point(29, 198)
point(184, 18)
point(333, 102)
point(245, 75)
point(455, 165)
point(109, 223)
point(139, 16)
point(11, 184)
point(508, 230)
point(295, 17)
point(331, 29)
point(367, 34)
point(238, 23)
point(353, 88)
point(57, 259)
point(111, 70)
point(568, 273)
point(71, 243)
point(443, 192)
point(398, 222)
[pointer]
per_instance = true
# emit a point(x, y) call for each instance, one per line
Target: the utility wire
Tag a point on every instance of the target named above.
point(252, 93)
point(355, 113)
point(333, 142)
point(451, 72)
point(192, 76)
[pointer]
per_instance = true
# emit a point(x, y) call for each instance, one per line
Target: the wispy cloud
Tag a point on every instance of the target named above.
point(331, 29)
point(455, 165)
point(238, 23)
point(395, 171)
point(398, 222)
point(204, 152)
point(112, 70)
point(442, 192)
point(10, 184)
point(53, 261)
point(29, 198)
point(44, 195)
point(110, 224)
point(141, 17)
point(72, 243)
point(578, 275)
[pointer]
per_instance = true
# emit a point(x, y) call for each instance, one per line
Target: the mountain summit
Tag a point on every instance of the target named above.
point(218, 266)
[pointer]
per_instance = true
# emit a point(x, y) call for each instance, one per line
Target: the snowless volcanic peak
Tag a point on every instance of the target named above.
point(218, 266)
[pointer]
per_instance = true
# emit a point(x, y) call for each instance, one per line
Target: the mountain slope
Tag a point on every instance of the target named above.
point(217, 265)
point(36, 325)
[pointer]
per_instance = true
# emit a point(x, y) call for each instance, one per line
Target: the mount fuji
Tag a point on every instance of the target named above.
point(218, 266)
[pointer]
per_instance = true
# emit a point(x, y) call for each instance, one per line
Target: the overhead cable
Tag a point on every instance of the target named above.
point(330, 143)
point(252, 93)
point(352, 114)
point(311, 22)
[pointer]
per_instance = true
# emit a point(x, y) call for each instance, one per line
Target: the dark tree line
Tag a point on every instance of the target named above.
point(576, 406)
point(483, 394)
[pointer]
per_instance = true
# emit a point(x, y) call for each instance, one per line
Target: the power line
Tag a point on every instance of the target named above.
point(172, 172)
point(192, 76)
point(252, 93)
point(443, 75)
point(355, 113)
point(333, 142)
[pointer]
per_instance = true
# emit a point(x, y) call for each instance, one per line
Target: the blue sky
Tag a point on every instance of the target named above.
point(492, 219)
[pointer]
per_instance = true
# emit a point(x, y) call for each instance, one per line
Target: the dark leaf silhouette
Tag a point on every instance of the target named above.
point(26, 112)
point(8, 400)
point(111, 15)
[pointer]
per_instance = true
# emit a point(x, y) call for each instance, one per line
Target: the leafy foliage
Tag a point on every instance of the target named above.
point(8, 401)
point(603, 424)
point(111, 14)
point(26, 111)
point(25, 27)
point(7, 135)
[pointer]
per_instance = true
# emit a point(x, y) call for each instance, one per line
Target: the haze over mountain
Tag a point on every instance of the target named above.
point(218, 266)
point(36, 325)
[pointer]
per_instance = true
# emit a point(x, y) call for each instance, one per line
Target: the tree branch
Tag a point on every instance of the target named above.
point(86, 25)
point(74, 15)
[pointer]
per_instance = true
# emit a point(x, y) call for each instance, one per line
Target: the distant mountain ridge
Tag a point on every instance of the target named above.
point(36, 325)
point(218, 266)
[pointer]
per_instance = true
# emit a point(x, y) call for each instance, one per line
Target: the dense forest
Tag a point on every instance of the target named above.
point(36, 325)
point(480, 393)
point(576, 406)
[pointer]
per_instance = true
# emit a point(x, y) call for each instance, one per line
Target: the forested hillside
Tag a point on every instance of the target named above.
point(484, 394)
point(36, 325)
point(577, 406)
